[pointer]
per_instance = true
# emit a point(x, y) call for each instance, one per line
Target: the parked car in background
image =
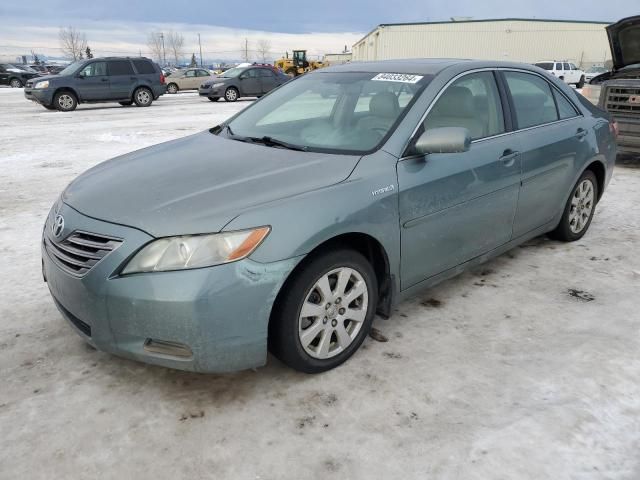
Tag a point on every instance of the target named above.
point(14, 76)
point(114, 79)
point(41, 69)
point(564, 70)
point(55, 69)
point(593, 71)
point(618, 91)
point(189, 79)
point(251, 81)
point(291, 224)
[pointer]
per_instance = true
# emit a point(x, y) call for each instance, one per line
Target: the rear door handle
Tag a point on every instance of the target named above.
point(105, 79)
point(508, 157)
point(581, 133)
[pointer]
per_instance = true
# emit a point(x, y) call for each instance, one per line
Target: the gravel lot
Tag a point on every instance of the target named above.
point(525, 368)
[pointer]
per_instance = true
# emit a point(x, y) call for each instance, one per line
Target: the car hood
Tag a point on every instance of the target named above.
point(199, 183)
point(624, 39)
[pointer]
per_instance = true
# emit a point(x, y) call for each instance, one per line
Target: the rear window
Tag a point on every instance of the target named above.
point(120, 67)
point(144, 66)
point(545, 65)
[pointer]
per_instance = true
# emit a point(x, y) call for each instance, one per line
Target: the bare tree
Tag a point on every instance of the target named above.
point(264, 49)
point(72, 42)
point(154, 43)
point(176, 45)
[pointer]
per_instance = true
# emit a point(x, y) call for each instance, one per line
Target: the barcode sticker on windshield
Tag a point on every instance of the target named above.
point(397, 77)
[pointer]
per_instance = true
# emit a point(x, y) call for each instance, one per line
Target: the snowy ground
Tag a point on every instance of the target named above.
point(497, 374)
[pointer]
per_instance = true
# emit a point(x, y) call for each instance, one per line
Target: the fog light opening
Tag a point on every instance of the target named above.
point(164, 347)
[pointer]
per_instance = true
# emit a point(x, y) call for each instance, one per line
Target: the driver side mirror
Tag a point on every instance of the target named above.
point(443, 140)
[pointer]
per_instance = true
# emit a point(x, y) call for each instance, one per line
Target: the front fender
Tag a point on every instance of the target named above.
point(366, 202)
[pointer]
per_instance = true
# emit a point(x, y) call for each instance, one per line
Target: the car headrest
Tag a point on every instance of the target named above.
point(457, 102)
point(384, 104)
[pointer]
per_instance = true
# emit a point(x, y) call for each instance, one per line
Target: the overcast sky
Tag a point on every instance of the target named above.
point(121, 26)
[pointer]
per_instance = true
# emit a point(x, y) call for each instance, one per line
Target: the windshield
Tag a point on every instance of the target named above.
point(71, 68)
point(545, 65)
point(232, 72)
point(597, 70)
point(332, 112)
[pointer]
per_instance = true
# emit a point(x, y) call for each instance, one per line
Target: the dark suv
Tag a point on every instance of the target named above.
point(14, 76)
point(115, 79)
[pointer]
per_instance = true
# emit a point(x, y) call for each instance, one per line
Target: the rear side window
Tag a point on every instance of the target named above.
point(532, 99)
point(120, 67)
point(144, 66)
point(565, 107)
point(471, 102)
point(558, 66)
point(545, 65)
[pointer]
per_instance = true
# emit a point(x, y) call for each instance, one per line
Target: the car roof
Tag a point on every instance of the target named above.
point(421, 66)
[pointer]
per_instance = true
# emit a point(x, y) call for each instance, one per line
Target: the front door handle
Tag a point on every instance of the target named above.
point(508, 157)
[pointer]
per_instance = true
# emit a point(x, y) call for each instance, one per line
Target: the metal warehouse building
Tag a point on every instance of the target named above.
point(516, 39)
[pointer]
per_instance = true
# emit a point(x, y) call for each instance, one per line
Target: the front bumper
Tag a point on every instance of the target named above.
point(43, 96)
point(629, 134)
point(211, 92)
point(220, 313)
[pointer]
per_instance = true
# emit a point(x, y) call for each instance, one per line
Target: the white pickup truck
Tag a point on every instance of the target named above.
point(564, 70)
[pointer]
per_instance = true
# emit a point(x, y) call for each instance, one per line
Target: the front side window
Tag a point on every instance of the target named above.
point(558, 66)
point(471, 102)
point(349, 112)
point(190, 73)
point(264, 72)
point(94, 69)
point(567, 67)
point(251, 73)
point(573, 67)
point(120, 67)
point(532, 99)
point(203, 73)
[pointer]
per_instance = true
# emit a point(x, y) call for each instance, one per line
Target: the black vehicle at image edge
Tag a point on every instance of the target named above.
point(114, 79)
point(13, 76)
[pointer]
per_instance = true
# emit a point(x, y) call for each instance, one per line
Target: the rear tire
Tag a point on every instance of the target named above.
point(15, 83)
point(339, 291)
point(231, 94)
point(213, 99)
point(65, 101)
point(50, 107)
point(143, 97)
point(173, 88)
point(579, 209)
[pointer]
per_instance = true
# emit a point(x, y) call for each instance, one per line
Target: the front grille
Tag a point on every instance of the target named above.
point(29, 83)
point(618, 100)
point(80, 251)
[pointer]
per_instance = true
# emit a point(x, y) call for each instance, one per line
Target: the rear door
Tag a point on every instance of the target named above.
point(267, 80)
point(457, 206)
point(122, 79)
point(569, 74)
point(552, 135)
point(250, 82)
point(92, 82)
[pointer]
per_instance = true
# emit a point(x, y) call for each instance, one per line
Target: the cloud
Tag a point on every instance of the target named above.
point(130, 38)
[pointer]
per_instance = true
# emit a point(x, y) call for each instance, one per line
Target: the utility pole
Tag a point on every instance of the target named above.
point(200, 44)
point(246, 50)
point(164, 54)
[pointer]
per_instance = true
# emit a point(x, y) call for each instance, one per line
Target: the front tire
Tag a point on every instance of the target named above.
point(143, 97)
point(15, 83)
point(65, 101)
point(213, 99)
point(324, 311)
point(579, 210)
point(172, 88)
point(580, 84)
point(231, 94)
point(126, 103)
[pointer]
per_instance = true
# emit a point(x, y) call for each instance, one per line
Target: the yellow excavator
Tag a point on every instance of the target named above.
point(297, 64)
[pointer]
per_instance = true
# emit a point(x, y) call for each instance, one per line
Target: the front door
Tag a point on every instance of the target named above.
point(122, 79)
point(250, 82)
point(92, 82)
point(544, 116)
point(457, 206)
point(4, 75)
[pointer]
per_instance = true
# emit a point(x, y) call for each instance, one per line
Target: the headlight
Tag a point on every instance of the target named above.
point(195, 251)
point(215, 85)
point(592, 93)
point(44, 84)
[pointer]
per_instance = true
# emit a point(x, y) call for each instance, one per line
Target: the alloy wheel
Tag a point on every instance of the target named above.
point(231, 95)
point(65, 101)
point(582, 202)
point(333, 313)
point(143, 96)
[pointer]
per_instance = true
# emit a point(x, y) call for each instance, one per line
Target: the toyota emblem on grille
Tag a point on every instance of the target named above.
point(57, 226)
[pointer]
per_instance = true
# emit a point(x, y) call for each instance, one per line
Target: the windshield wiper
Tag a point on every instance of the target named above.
point(266, 140)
